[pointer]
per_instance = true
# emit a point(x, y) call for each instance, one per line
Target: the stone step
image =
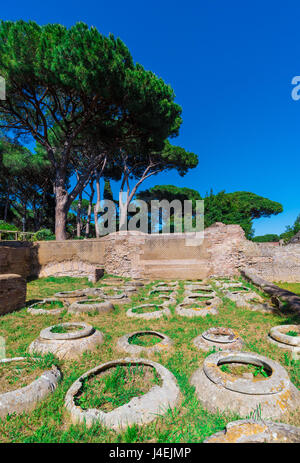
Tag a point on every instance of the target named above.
point(176, 268)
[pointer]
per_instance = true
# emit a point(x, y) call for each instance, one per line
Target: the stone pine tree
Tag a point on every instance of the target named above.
point(170, 193)
point(139, 166)
point(71, 82)
point(240, 207)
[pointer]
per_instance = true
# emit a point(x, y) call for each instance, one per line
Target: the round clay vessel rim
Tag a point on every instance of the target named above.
point(74, 293)
point(35, 386)
point(240, 290)
point(163, 372)
point(145, 333)
point(87, 330)
point(207, 337)
point(34, 309)
point(164, 310)
point(91, 301)
point(276, 334)
point(147, 305)
point(271, 385)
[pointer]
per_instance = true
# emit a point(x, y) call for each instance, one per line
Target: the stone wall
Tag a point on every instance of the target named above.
point(280, 263)
point(223, 251)
point(15, 257)
point(12, 293)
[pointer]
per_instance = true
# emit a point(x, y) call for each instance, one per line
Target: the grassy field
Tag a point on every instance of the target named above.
point(294, 287)
point(189, 422)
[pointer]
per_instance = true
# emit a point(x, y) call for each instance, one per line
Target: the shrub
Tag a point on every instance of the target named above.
point(7, 226)
point(271, 238)
point(44, 235)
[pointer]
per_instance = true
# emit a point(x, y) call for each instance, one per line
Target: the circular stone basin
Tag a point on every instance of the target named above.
point(47, 306)
point(192, 298)
point(251, 431)
point(88, 305)
point(151, 314)
point(191, 309)
point(114, 295)
point(70, 296)
point(124, 344)
point(26, 398)
point(164, 300)
point(201, 288)
point(286, 337)
point(235, 289)
point(78, 338)
point(136, 283)
point(130, 289)
point(162, 289)
point(139, 410)
point(220, 338)
point(274, 395)
point(228, 284)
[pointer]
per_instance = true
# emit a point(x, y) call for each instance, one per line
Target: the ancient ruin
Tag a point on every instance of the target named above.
point(244, 394)
point(27, 398)
point(124, 343)
point(286, 337)
point(149, 311)
point(140, 410)
point(47, 306)
point(219, 338)
point(67, 340)
point(12, 293)
point(251, 431)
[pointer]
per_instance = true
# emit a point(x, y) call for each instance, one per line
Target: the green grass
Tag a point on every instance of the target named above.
point(65, 329)
point(292, 333)
point(147, 309)
point(117, 387)
point(145, 340)
point(189, 421)
point(293, 287)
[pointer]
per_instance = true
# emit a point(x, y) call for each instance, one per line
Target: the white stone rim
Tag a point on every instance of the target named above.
point(271, 385)
point(168, 394)
point(155, 314)
point(276, 334)
point(47, 334)
point(123, 342)
point(208, 335)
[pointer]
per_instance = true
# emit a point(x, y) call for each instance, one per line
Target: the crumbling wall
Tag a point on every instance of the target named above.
point(223, 252)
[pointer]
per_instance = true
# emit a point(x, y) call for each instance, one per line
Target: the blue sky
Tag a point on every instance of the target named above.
point(231, 65)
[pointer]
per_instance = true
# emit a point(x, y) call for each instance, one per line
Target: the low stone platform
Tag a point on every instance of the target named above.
point(12, 293)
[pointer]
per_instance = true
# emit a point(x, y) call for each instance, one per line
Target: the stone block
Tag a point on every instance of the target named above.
point(12, 293)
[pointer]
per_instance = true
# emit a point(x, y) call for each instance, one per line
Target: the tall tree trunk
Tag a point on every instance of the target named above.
point(88, 220)
point(61, 211)
point(97, 205)
point(78, 218)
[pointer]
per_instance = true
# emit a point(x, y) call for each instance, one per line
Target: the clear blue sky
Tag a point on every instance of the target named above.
point(231, 64)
